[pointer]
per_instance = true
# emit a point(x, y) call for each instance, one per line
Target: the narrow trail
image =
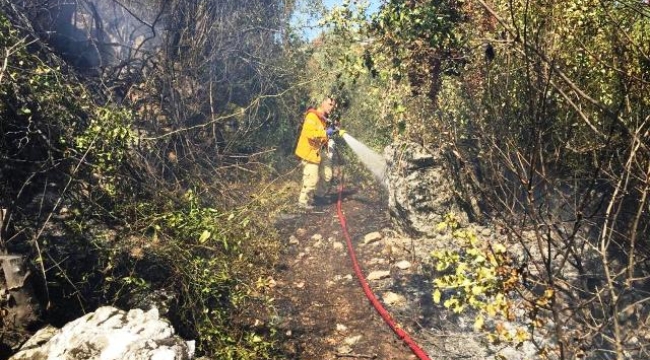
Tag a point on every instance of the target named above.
point(322, 311)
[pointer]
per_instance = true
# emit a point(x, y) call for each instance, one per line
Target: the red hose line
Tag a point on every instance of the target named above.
point(366, 289)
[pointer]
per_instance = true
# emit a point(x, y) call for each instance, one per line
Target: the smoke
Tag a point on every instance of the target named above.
point(130, 27)
point(94, 34)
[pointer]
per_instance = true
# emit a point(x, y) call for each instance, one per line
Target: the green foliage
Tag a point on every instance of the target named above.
point(143, 238)
point(559, 96)
point(480, 277)
point(387, 67)
point(110, 135)
point(213, 295)
point(107, 141)
point(196, 224)
point(51, 124)
point(214, 260)
point(422, 41)
point(605, 71)
point(428, 23)
point(343, 63)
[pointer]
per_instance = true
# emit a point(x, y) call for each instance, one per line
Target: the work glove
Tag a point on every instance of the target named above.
point(331, 132)
point(342, 132)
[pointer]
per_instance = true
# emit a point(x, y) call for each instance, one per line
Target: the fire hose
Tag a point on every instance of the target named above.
point(366, 289)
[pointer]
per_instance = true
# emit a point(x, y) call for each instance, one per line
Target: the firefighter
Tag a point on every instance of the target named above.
point(312, 149)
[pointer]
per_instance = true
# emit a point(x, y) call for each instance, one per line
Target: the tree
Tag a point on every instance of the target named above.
point(542, 113)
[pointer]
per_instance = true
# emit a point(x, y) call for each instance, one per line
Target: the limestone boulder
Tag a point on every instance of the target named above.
point(420, 192)
point(109, 334)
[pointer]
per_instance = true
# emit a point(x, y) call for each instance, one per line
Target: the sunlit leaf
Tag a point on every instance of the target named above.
point(499, 248)
point(479, 322)
point(436, 296)
point(204, 236)
point(478, 290)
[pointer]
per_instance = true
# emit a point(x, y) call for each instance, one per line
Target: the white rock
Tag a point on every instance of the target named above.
point(393, 299)
point(163, 354)
point(112, 334)
point(403, 265)
point(351, 340)
point(372, 237)
point(317, 237)
point(344, 349)
point(41, 337)
point(338, 246)
point(293, 240)
point(378, 275)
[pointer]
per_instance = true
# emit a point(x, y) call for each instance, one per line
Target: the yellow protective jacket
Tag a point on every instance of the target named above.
point(312, 137)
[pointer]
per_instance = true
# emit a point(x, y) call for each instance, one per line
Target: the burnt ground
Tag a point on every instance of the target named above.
point(322, 310)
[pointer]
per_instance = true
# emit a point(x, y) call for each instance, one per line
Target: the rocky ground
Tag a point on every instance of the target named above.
point(322, 309)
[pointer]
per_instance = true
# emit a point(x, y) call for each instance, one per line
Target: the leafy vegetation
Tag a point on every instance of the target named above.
point(135, 181)
point(541, 110)
point(148, 150)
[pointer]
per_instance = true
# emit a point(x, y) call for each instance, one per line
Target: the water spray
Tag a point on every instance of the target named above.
point(373, 161)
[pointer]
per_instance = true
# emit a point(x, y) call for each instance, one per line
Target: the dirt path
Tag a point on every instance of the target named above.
point(322, 310)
